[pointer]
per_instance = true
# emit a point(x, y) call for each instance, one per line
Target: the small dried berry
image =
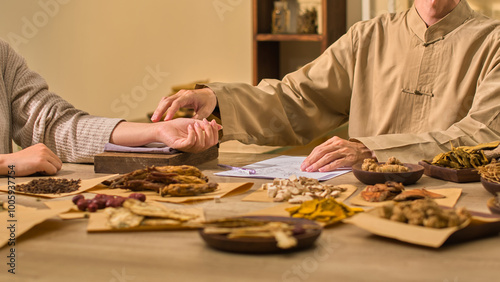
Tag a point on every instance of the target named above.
point(114, 203)
point(100, 196)
point(77, 198)
point(101, 203)
point(109, 202)
point(119, 201)
point(82, 204)
point(138, 196)
point(92, 207)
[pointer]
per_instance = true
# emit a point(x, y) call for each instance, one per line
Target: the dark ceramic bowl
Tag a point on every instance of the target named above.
point(493, 205)
point(263, 245)
point(371, 178)
point(491, 187)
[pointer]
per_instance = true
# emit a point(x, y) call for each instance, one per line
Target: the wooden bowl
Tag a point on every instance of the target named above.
point(263, 245)
point(491, 187)
point(371, 178)
point(493, 205)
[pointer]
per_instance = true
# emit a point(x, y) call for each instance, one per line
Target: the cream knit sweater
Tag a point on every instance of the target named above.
point(31, 114)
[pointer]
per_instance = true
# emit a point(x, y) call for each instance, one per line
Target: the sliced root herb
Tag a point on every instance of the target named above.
point(466, 156)
point(174, 181)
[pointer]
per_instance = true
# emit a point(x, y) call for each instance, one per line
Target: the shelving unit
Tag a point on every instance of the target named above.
point(268, 48)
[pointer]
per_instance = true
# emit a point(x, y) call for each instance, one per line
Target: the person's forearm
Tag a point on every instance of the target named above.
point(133, 134)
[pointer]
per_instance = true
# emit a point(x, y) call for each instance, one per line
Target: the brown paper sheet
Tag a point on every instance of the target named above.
point(260, 195)
point(224, 190)
point(72, 211)
point(84, 186)
point(419, 235)
point(25, 218)
point(452, 195)
point(98, 223)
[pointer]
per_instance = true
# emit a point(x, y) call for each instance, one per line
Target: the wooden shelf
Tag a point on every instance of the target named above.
point(268, 53)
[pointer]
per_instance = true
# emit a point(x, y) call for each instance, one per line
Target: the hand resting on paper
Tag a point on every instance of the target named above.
point(334, 153)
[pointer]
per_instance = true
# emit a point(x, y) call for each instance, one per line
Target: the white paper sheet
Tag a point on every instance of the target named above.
point(282, 167)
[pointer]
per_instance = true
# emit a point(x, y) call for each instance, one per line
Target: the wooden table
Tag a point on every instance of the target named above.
point(62, 250)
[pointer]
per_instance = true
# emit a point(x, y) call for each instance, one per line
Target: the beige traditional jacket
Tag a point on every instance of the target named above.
point(407, 90)
point(31, 114)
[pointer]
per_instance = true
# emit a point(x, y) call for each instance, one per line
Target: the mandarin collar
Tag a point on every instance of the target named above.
point(441, 28)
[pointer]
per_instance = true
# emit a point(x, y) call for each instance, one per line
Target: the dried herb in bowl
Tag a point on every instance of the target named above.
point(491, 171)
point(49, 186)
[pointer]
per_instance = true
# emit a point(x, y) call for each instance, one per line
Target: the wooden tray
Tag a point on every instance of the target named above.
point(449, 174)
point(114, 162)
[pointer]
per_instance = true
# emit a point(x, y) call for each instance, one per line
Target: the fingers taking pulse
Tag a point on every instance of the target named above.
point(202, 101)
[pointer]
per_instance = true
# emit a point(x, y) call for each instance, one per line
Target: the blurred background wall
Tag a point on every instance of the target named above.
point(117, 58)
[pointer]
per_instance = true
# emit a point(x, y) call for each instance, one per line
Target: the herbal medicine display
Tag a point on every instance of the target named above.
point(308, 17)
point(280, 17)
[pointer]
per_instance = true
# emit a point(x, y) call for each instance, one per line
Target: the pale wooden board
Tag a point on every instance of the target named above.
point(276, 210)
point(114, 162)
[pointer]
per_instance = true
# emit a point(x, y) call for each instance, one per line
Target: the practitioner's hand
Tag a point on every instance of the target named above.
point(203, 101)
point(334, 153)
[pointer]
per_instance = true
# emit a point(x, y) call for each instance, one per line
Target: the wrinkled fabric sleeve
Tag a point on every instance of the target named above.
point(304, 105)
point(40, 116)
point(481, 125)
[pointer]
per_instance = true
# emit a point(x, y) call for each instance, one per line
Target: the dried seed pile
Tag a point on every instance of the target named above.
point(49, 186)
